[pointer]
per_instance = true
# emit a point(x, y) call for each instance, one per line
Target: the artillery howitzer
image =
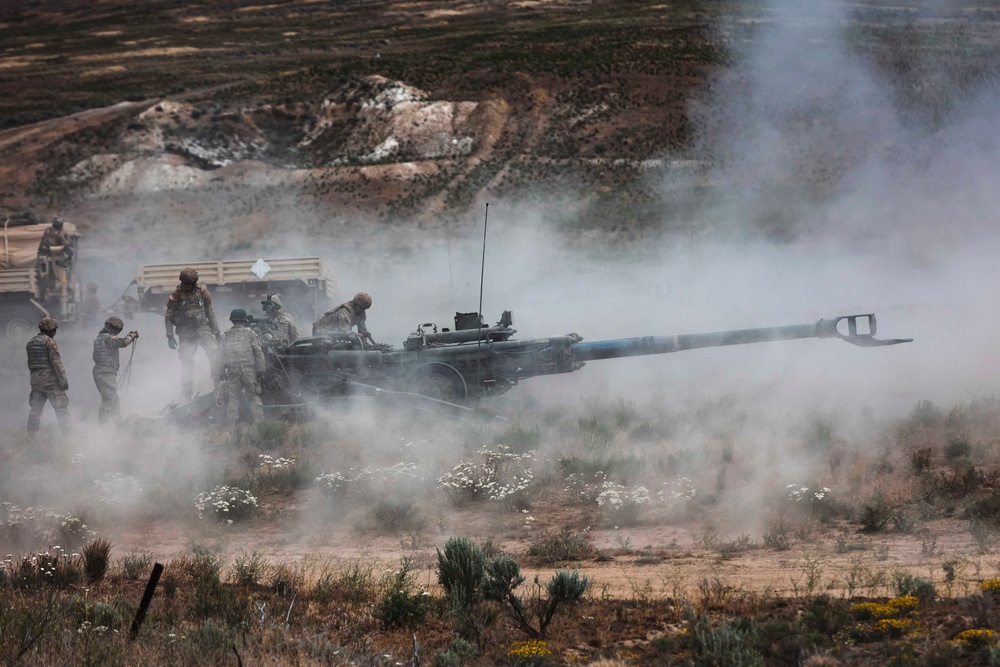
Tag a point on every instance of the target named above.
point(445, 368)
point(449, 367)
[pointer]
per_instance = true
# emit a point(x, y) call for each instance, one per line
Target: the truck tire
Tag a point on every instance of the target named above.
point(19, 321)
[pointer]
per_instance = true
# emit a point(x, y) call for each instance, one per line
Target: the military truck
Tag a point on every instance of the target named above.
point(34, 286)
point(302, 283)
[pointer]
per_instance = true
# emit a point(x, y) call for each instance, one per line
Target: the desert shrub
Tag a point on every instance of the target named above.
point(974, 639)
point(53, 567)
point(249, 569)
point(957, 448)
point(266, 434)
point(826, 616)
point(596, 433)
point(566, 545)
point(135, 564)
point(776, 536)
point(211, 643)
point(461, 569)
point(729, 549)
point(397, 516)
point(462, 574)
point(531, 613)
point(875, 513)
point(725, 644)
point(277, 473)
point(458, 654)
point(921, 459)
point(399, 608)
point(227, 503)
point(521, 438)
point(529, 653)
point(285, 580)
point(502, 475)
point(96, 559)
point(210, 597)
point(984, 506)
point(32, 525)
point(908, 585)
point(352, 584)
point(203, 563)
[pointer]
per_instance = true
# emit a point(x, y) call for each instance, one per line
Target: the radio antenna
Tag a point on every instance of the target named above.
point(482, 268)
point(482, 274)
point(447, 231)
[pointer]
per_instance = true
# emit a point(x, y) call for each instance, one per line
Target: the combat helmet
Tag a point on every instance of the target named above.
point(272, 302)
point(114, 325)
point(363, 300)
point(238, 315)
point(47, 324)
point(189, 276)
point(57, 222)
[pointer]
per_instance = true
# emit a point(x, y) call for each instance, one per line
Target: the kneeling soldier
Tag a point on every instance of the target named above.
point(106, 365)
point(241, 356)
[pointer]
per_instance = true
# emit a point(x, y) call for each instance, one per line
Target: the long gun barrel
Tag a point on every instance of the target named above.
point(860, 330)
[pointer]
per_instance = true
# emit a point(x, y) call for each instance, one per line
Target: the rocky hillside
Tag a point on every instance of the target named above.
point(605, 116)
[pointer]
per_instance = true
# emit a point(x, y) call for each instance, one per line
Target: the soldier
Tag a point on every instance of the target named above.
point(90, 305)
point(243, 363)
point(281, 323)
point(345, 316)
point(48, 377)
point(189, 310)
point(106, 364)
point(54, 236)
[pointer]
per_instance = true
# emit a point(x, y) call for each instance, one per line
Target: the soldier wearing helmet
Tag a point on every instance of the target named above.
point(345, 316)
point(48, 377)
point(242, 360)
point(106, 364)
point(190, 314)
point(90, 305)
point(282, 325)
point(55, 237)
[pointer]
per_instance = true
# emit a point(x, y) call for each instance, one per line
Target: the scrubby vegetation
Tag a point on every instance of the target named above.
point(885, 555)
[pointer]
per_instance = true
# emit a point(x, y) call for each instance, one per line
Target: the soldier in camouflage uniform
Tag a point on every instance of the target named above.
point(106, 364)
point(243, 362)
point(48, 377)
point(55, 236)
point(345, 316)
point(282, 325)
point(189, 311)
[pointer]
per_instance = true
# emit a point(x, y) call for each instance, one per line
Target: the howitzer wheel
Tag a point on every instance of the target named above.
point(438, 381)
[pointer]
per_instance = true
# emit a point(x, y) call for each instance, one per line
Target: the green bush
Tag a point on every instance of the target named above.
point(458, 654)
point(826, 616)
point(462, 575)
point(957, 448)
point(399, 608)
point(391, 516)
point(531, 613)
point(249, 569)
point(907, 584)
point(875, 514)
point(266, 434)
point(567, 545)
point(729, 644)
point(352, 584)
point(461, 570)
point(135, 564)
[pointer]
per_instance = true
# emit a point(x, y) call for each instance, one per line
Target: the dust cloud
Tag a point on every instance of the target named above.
point(825, 201)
